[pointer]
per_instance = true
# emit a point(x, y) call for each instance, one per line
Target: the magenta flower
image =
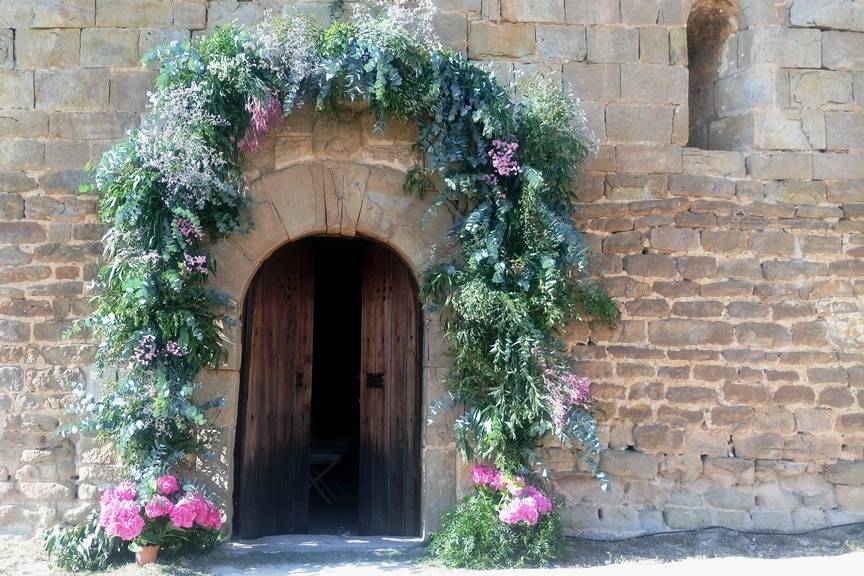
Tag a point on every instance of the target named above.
point(187, 229)
point(502, 156)
point(520, 510)
point(485, 475)
point(566, 390)
point(158, 506)
point(167, 485)
point(265, 113)
point(183, 514)
point(541, 502)
point(122, 518)
point(195, 264)
point(145, 350)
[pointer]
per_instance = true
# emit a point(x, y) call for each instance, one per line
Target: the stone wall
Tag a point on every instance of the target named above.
point(733, 390)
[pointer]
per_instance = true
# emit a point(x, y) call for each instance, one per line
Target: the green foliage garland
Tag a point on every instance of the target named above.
point(515, 274)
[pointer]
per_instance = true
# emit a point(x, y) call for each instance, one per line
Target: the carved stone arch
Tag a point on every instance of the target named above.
point(332, 182)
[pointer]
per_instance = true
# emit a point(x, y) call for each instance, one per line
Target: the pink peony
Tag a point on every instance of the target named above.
point(167, 485)
point(184, 513)
point(158, 506)
point(121, 518)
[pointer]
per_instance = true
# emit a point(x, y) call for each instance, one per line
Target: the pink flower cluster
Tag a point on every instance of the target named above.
point(502, 156)
point(265, 113)
point(173, 348)
point(167, 485)
point(520, 502)
point(145, 350)
point(187, 229)
point(121, 514)
point(566, 390)
point(195, 263)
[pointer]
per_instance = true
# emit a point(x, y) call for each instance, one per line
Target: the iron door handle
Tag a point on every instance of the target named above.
point(375, 379)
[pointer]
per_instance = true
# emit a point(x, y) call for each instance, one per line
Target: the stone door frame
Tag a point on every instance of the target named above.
point(326, 194)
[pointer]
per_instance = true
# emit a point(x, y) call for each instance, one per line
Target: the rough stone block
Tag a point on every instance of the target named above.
point(613, 44)
point(843, 50)
point(658, 439)
point(63, 14)
point(818, 88)
point(190, 15)
point(593, 11)
point(837, 14)
point(674, 239)
point(654, 45)
point(74, 90)
point(532, 10)
point(109, 47)
point(128, 90)
point(845, 130)
point(782, 166)
point(56, 48)
point(134, 13)
point(675, 332)
point(488, 39)
point(746, 90)
point(838, 166)
point(648, 159)
point(784, 47)
point(639, 123)
point(91, 125)
point(562, 42)
point(16, 89)
point(629, 464)
point(598, 82)
point(654, 83)
point(689, 185)
point(687, 518)
point(650, 265)
point(845, 473)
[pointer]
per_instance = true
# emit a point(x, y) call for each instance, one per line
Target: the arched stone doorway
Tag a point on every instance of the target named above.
point(328, 427)
point(334, 177)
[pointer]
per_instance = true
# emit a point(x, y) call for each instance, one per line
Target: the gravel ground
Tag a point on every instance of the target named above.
point(708, 552)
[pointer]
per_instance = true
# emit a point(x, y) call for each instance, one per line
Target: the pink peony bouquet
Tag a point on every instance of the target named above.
point(518, 501)
point(157, 512)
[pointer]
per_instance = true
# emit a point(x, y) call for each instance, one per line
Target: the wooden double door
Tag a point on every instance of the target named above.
point(272, 462)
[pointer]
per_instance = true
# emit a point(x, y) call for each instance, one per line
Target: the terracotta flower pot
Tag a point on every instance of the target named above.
point(146, 555)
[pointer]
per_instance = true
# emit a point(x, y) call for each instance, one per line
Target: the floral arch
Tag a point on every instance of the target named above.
point(183, 192)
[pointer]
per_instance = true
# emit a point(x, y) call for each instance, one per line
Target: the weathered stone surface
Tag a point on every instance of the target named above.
point(16, 89)
point(629, 464)
point(71, 89)
point(532, 10)
point(843, 50)
point(55, 48)
point(504, 40)
point(613, 44)
point(675, 332)
point(845, 473)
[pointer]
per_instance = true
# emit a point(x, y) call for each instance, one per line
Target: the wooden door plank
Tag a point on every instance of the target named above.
point(272, 479)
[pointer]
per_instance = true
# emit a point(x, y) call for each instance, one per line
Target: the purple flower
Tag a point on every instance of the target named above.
point(503, 162)
point(173, 348)
point(195, 264)
point(566, 390)
point(265, 113)
point(145, 350)
point(187, 229)
point(520, 510)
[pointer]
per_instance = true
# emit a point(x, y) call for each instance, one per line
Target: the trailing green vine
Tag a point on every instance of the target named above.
point(516, 272)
